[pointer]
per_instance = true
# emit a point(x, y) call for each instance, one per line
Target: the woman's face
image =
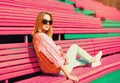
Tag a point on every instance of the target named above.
point(46, 23)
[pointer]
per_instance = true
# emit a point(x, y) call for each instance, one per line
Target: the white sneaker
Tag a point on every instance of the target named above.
point(98, 62)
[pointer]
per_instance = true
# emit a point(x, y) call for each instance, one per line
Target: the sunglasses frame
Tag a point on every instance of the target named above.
point(45, 21)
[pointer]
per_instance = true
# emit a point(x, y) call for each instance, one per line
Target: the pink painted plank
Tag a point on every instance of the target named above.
point(109, 50)
point(72, 41)
point(22, 67)
point(106, 46)
point(17, 62)
point(109, 38)
point(42, 79)
point(87, 30)
point(13, 51)
point(16, 56)
point(23, 30)
point(18, 73)
point(15, 45)
point(111, 43)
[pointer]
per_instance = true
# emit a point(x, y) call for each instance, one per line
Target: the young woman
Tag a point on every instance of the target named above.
point(51, 59)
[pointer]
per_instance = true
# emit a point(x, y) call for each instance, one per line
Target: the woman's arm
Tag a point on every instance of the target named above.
point(71, 77)
point(64, 57)
point(74, 78)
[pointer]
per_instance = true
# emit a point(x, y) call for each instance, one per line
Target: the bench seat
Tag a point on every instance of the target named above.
point(109, 64)
point(87, 74)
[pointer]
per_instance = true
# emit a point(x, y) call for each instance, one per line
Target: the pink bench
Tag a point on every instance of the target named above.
point(18, 61)
point(101, 10)
point(19, 14)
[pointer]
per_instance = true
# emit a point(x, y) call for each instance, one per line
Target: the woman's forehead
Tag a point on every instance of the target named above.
point(46, 16)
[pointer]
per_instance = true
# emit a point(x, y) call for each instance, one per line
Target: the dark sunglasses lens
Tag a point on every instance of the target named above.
point(50, 22)
point(44, 21)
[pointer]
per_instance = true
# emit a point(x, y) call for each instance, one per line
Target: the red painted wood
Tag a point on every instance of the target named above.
point(101, 10)
point(107, 45)
point(18, 73)
point(13, 69)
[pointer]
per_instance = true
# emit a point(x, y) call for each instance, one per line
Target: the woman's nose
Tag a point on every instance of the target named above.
point(48, 23)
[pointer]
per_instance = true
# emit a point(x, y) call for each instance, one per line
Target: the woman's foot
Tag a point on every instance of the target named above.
point(97, 61)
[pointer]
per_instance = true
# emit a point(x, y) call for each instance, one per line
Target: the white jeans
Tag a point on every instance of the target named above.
point(74, 50)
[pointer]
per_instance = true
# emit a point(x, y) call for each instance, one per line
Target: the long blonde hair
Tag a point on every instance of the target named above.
point(38, 24)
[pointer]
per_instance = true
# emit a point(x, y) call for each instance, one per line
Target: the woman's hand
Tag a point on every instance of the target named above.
point(68, 75)
point(73, 78)
point(64, 57)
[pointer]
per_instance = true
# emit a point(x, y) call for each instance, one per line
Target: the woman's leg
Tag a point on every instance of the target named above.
point(71, 55)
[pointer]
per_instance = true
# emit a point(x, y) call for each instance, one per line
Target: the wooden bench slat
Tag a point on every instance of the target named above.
point(17, 62)
point(14, 45)
point(13, 51)
point(18, 68)
point(43, 78)
point(107, 46)
point(18, 73)
point(109, 50)
point(16, 56)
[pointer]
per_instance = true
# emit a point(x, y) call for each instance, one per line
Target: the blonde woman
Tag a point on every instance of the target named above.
point(50, 57)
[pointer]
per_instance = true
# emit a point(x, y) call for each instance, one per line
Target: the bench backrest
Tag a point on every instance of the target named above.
point(17, 60)
point(107, 45)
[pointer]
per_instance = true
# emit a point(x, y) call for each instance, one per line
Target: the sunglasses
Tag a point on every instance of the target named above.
point(44, 21)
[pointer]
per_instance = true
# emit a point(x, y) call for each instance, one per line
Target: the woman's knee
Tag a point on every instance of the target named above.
point(74, 46)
